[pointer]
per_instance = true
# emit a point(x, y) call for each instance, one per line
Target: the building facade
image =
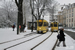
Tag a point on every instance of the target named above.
point(60, 17)
point(67, 15)
point(70, 15)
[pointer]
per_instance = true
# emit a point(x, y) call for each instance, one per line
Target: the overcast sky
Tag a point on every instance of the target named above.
point(65, 1)
point(61, 1)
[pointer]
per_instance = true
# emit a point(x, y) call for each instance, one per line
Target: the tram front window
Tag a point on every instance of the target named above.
point(40, 23)
point(55, 25)
point(45, 24)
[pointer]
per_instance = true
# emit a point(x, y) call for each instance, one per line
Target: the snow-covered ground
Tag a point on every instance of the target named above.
point(7, 34)
point(72, 30)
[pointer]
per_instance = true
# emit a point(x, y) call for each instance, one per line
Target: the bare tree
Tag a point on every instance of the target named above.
point(20, 15)
point(7, 6)
point(52, 9)
point(40, 6)
point(8, 11)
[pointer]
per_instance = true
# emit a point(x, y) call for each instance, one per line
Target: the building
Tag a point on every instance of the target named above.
point(60, 17)
point(67, 15)
point(70, 15)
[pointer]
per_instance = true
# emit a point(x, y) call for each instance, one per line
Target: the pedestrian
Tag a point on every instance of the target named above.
point(13, 27)
point(61, 37)
point(24, 27)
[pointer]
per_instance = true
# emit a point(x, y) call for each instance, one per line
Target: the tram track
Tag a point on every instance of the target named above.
point(55, 43)
point(18, 38)
point(22, 42)
point(40, 42)
point(29, 40)
point(54, 46)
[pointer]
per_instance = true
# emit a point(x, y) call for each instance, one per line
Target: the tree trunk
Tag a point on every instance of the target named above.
point(20, 15)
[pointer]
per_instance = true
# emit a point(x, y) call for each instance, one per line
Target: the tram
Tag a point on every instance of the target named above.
point(54, 26)
point(42, 26)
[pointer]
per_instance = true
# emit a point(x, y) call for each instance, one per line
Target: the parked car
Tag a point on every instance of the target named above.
point(73, 27)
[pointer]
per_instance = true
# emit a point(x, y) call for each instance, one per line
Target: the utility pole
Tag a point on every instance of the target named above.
point(32, 17)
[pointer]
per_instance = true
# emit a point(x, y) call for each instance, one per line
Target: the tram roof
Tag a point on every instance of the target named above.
point(41, 20)
point(53, 22)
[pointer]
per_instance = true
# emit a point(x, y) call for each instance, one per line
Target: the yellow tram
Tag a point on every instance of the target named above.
point(54, 26)
point(42, 26)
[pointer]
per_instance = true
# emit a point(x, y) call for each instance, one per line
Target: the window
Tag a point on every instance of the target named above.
point(67, 20)
point(51, 25)
point(72, 14)
point(72, 25)
point(45, 24)
point(69, 25)
point(69, 11)
point(69, 15)
point(72, 19)
point(40, 23)
point(55, 25)
point(72, 9)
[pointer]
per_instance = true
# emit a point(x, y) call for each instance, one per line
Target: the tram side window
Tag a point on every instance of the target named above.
point(55, 25)
point(51, 25)
point(40, 23)
point(45, 24)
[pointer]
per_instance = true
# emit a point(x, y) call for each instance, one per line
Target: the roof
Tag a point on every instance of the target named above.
point(41, 20)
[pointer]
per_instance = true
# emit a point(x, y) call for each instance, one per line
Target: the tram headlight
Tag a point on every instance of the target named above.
point(39, 28)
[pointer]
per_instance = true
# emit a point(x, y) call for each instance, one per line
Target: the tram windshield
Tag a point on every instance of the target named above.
point(45, 24)
point(55, 25)
point(40, 23)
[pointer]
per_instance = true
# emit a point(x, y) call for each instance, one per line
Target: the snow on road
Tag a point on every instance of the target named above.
point(72, 30)
point(28, 45)
point(48, 44)
point(70, 44)
point(7, 34)
point(16, 42)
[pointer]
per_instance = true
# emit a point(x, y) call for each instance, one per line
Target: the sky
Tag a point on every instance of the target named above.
point(65, 1)
point(62, 2)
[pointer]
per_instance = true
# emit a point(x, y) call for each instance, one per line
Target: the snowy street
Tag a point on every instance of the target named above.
point(37, 25)
point(23, 41)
